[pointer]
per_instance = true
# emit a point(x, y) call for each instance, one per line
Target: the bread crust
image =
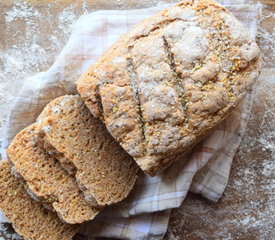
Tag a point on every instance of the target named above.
point(171, 80)
point(104, 171)
point(46, 180)
point(29, 218)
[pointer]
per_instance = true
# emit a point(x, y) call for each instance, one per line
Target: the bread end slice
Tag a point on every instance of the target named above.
point(47, 180)
point(28, 217)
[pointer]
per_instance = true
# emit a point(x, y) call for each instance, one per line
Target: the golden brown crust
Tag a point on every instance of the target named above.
point(29, 218)
point(46, 180)
point(103, 170)
point(171, 80)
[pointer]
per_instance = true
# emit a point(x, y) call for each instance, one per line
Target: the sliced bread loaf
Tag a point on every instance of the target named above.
point(171, 80)
point(104, 171)
point(46, 179)
point(28, 217)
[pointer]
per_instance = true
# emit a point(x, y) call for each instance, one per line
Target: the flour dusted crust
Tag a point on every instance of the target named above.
point(104, 171)
point(29, 218)
point(167, 83)
point(46, 180)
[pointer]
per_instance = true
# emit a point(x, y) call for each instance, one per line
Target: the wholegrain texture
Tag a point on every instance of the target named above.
point(29, 218)
point(104, 171)
point(46, 180)
point(171, 80)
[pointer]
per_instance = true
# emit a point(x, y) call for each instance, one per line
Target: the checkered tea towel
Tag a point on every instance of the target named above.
point(145, 213)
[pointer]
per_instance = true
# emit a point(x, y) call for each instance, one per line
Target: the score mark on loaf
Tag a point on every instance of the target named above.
point(171, 80)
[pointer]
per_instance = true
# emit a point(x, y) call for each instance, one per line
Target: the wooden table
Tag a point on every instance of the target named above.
point(246, 209)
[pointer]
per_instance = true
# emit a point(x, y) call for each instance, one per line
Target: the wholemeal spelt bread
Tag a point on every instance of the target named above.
point(46, 180)
point(104, 171)
point(168, 82)
point(29, 218)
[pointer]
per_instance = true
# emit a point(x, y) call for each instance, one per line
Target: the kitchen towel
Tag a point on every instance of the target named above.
point(205, 170)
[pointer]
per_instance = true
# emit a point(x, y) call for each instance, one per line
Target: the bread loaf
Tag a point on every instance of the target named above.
point(171, 80)
point(104, 171)
point(46, 180)
point(28, 217)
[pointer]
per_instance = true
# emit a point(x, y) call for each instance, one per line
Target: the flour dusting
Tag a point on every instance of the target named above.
point(66, 18)
point(20, 11)
point(34, 36)
point(27, 52)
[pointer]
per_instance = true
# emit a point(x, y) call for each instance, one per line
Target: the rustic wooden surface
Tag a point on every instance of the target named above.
point(245, 210)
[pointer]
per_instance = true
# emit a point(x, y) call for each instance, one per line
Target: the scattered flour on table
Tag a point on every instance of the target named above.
point(19, 11)
point(266, 39)
point(31, 53)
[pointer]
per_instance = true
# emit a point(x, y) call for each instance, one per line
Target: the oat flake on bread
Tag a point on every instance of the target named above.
point(171, 80)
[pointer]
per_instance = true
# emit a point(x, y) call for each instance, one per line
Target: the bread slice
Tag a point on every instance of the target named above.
point(67, 165)
point(104, 171)
point(28, 217)
point(46, 179)
point(171, 80)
